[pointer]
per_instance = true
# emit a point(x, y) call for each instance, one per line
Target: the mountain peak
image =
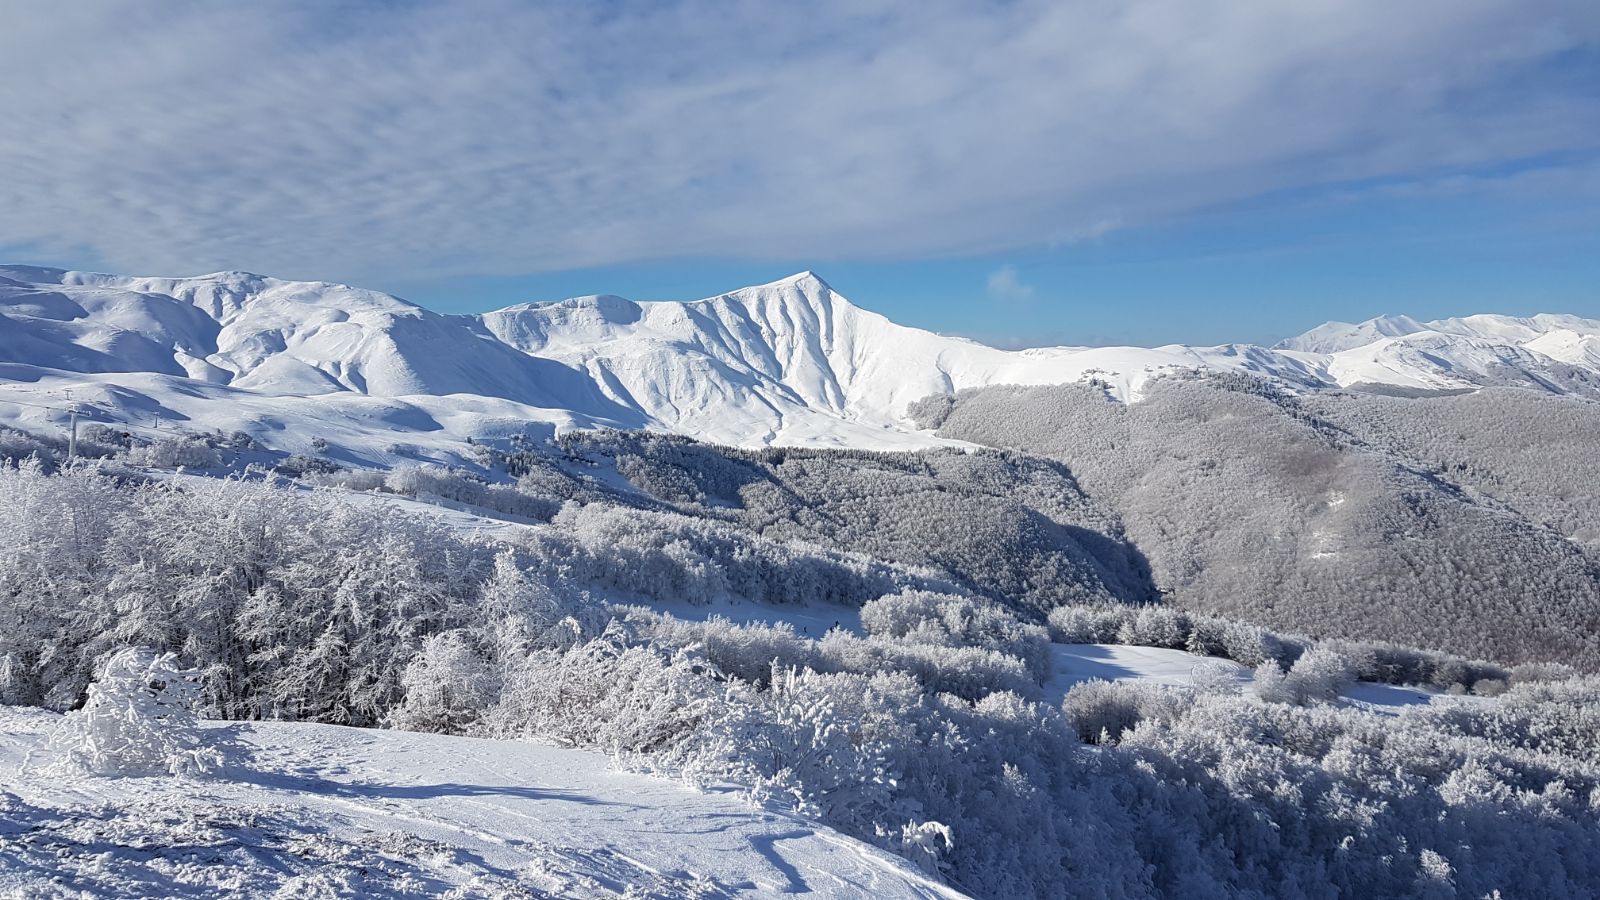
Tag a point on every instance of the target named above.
point(808, 283)
point(790, 361)
point(804, 288)
point(1333, 337)
point(806, 278)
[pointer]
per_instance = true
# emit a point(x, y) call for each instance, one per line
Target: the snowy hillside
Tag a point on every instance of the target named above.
point(790, 363)
point(1217, 759)
point(1558, 354)
point(319, 810)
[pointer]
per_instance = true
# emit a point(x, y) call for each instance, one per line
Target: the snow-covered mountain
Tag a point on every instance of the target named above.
point(791, 362)
point(1554, 353)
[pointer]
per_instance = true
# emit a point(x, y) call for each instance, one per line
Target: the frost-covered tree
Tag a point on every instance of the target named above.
point(139, 719)
point(1272, 684)
point(448, 685)
point(1320, 675)
point(946, 620)
point(927, 734)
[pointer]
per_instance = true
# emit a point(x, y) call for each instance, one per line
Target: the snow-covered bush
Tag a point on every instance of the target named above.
point(750, 652)
point(1528, 673)
point(349, 479)
point(1216, 677)
point(1271, 684)
point(523, 612)
point(139, 719)
point(824, 745)
point(300, 465)
point(294, 604)
point(634, 701)
point(103, 435)
point(663, 554)
point(1085, 624)
point(448, 686)
point(947, 620)
point(1099, 711)
point(1102, 711)
point(428, 480)
point(95, 441)
point(16, 446)
point(1320, 675)
point(304, 604)
point(924, 843)
point(971, 673)
point(1252, 645)
point(187, 451)
point(1155, 626)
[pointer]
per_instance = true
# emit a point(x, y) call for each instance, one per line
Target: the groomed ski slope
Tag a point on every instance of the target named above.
point(308, 811)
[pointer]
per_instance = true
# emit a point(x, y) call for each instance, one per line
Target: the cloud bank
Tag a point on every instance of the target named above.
point(507, 138)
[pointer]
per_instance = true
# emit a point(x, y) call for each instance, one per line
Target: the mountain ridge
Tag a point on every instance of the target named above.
point(787, 362)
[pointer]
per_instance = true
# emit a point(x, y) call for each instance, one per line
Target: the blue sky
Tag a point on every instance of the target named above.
point(1021, 172)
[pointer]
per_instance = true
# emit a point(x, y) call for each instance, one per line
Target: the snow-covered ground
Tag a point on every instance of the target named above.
point(809, 621)
point(1074, 663)
point(309, 811)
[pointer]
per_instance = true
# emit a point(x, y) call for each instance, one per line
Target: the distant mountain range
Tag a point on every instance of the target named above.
point(791, 362)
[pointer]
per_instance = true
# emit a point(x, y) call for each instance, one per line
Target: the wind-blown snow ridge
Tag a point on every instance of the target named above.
point(790, 362)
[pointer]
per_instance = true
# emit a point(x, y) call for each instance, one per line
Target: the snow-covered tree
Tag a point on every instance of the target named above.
point(139, 719)
point(449, 685)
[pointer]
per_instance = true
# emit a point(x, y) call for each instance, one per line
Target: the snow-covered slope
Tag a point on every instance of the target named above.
point(1334, 337)
point(791, 362)
point(1559, 354)
point(1073, 664)
point(320, 811)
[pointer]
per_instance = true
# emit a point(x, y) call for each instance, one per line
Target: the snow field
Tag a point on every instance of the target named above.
point(311, 811)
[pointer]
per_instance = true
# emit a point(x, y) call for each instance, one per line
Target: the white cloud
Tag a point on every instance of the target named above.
point(1005, 285)
point(506, 138)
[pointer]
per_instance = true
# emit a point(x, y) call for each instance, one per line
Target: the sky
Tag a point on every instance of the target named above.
point(1025, 173)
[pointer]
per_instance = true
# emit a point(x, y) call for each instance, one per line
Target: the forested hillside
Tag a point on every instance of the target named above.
point(927, 732)
point(1014, 528)
point(1530, 452)
point(934, 718)
point(1330, 514)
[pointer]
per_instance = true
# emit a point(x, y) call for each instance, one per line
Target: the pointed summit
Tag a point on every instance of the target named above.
point(804, 288)
point(806, 280)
